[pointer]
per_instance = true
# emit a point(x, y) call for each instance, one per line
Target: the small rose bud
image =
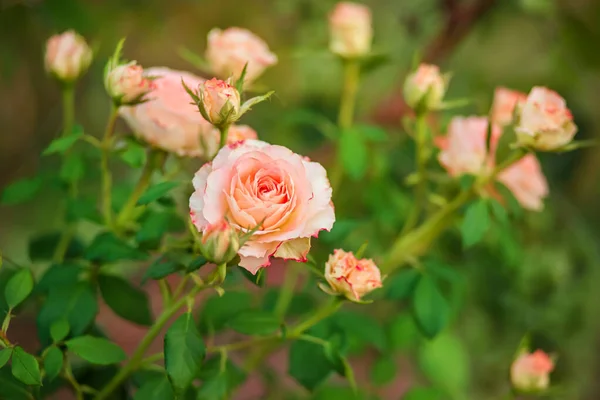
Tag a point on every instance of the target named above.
point(239, 133)
point(530, 372)
point(545, 123)
point(127, 85)
point(503, 106)
point(220, 100)
point(220, 243)
point(351, 277)
point(68, 56)
point(424, 89)
point(350, 30)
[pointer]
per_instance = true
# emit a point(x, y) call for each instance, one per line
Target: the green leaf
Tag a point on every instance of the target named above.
point(42, 247)
point(423, 393)
point(504, 148)
point(445, 362)
point(402, 332)
point(254, 322)
point(383, 371)
point(259, 279)
point(373, 133)
point(21, 191)
point(62, 144)
point(75, 302)
point(158, 389)
point(5, 356)
point(59, 329)
point(73, 168)
point(217, 310)
point(18, 288)
point(11, 388)
point(213, 389)
point(341, 229)
point(401, 285)
point(196, 264)
point(353, 153)
point(248, 104)
point(212, 369)
point(162, 267)
point(184, 351)
point(475, 223)
point(134, 155)
point(498, 211)
point(430, 308)
point(83, 208)
point(59, 275)
point(25, 367)
point(156, 192)
point(300, 302)
point(53, 362)
point(362, 327)
point(96, 350)
point(125, 300)
point(373, 61)
point(107, 248)
point(155, 224)
point(308, 364)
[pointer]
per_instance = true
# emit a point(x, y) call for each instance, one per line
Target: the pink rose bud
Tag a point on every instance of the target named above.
point(239, 133)
point(220, 100)
point(127, 85)
point(530, 372)
point(67, 56)
point(220, 242)
point(229, 50)
point(545, 123)
point(350, 30)
point(351, 277)
point(503, 107)
point(424, 89)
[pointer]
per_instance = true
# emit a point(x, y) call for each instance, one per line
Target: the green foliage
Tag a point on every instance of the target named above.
point(134, 154)
point(476, 223)
point(383, 371)
point(42, 247)
point(25, 367)
point(156, 192)
point(218, 310)
point(96, 350)
point(21, 191)
point(106, 248)
point(5, 355)
point(161, 268)
point(53, 363)
point(423, 393)
point(125, 300)
point(402, 284)
point(309, 365)
point(258, 279)
point(253, 322)
point(430, 309)
point(353, 153)
point(59, 330)
point(18, 288)
point(155, 389)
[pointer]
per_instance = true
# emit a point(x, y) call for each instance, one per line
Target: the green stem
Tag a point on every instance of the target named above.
point(63, 244)
point(346, 113)
point(287, 291)
point(317, 317)
point(104, 168)
point(223, 129)
point(68, 102)
point(68, 374)
point(138, 356)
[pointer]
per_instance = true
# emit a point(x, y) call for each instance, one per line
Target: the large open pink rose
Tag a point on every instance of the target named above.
point(252, 183)
point(168, 120)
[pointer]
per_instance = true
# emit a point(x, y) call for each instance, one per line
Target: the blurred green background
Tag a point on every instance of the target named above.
point(539, 278)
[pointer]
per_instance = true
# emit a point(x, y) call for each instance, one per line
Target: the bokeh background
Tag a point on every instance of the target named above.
point(540, 278)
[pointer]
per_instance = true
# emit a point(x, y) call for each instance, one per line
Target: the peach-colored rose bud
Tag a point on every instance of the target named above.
point(527, 182)
point(350, 30)
point(503, 107)
point(530, 372)
point(239, 133)
point(220, 100)
point(127, 84)
point(545, 123)
point(351, 277)
point(425, 88)
point(220, 242)
point(229, 50)
point(67, 56)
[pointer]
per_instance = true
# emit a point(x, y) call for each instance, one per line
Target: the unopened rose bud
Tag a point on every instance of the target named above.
point(127, 85)
point(220, 101)
point(220, 243)
point(350, 30)
point(351, 277)
point(530, 372)
point(545, 123)
point(68, 56)
point(424, 89)
point(239, 133)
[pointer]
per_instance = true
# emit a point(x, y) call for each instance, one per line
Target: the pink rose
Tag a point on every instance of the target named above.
point(425, 88)
point(351, 277)
point(67, 56)
point(503, 107)
point(238, 133)
point(220, 100)
point(350, 30)
point(168, 121)
point(545, 123)
point(254, 183)
point(229, 50)
point(530, 372)
point(464, 151)
point(127, 84)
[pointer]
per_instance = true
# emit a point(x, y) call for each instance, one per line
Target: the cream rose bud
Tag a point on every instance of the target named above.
point(67, 56)
point(229, 50)
point(220, 100)
point(545, 123)
point(168, 120)
point(425, 88)
point(351, 277)
point(503, 106)
point(350, 30)
point(530, 372)
point(256, 185)
point(220, 242)
point(239, 133)
point(126, 84)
